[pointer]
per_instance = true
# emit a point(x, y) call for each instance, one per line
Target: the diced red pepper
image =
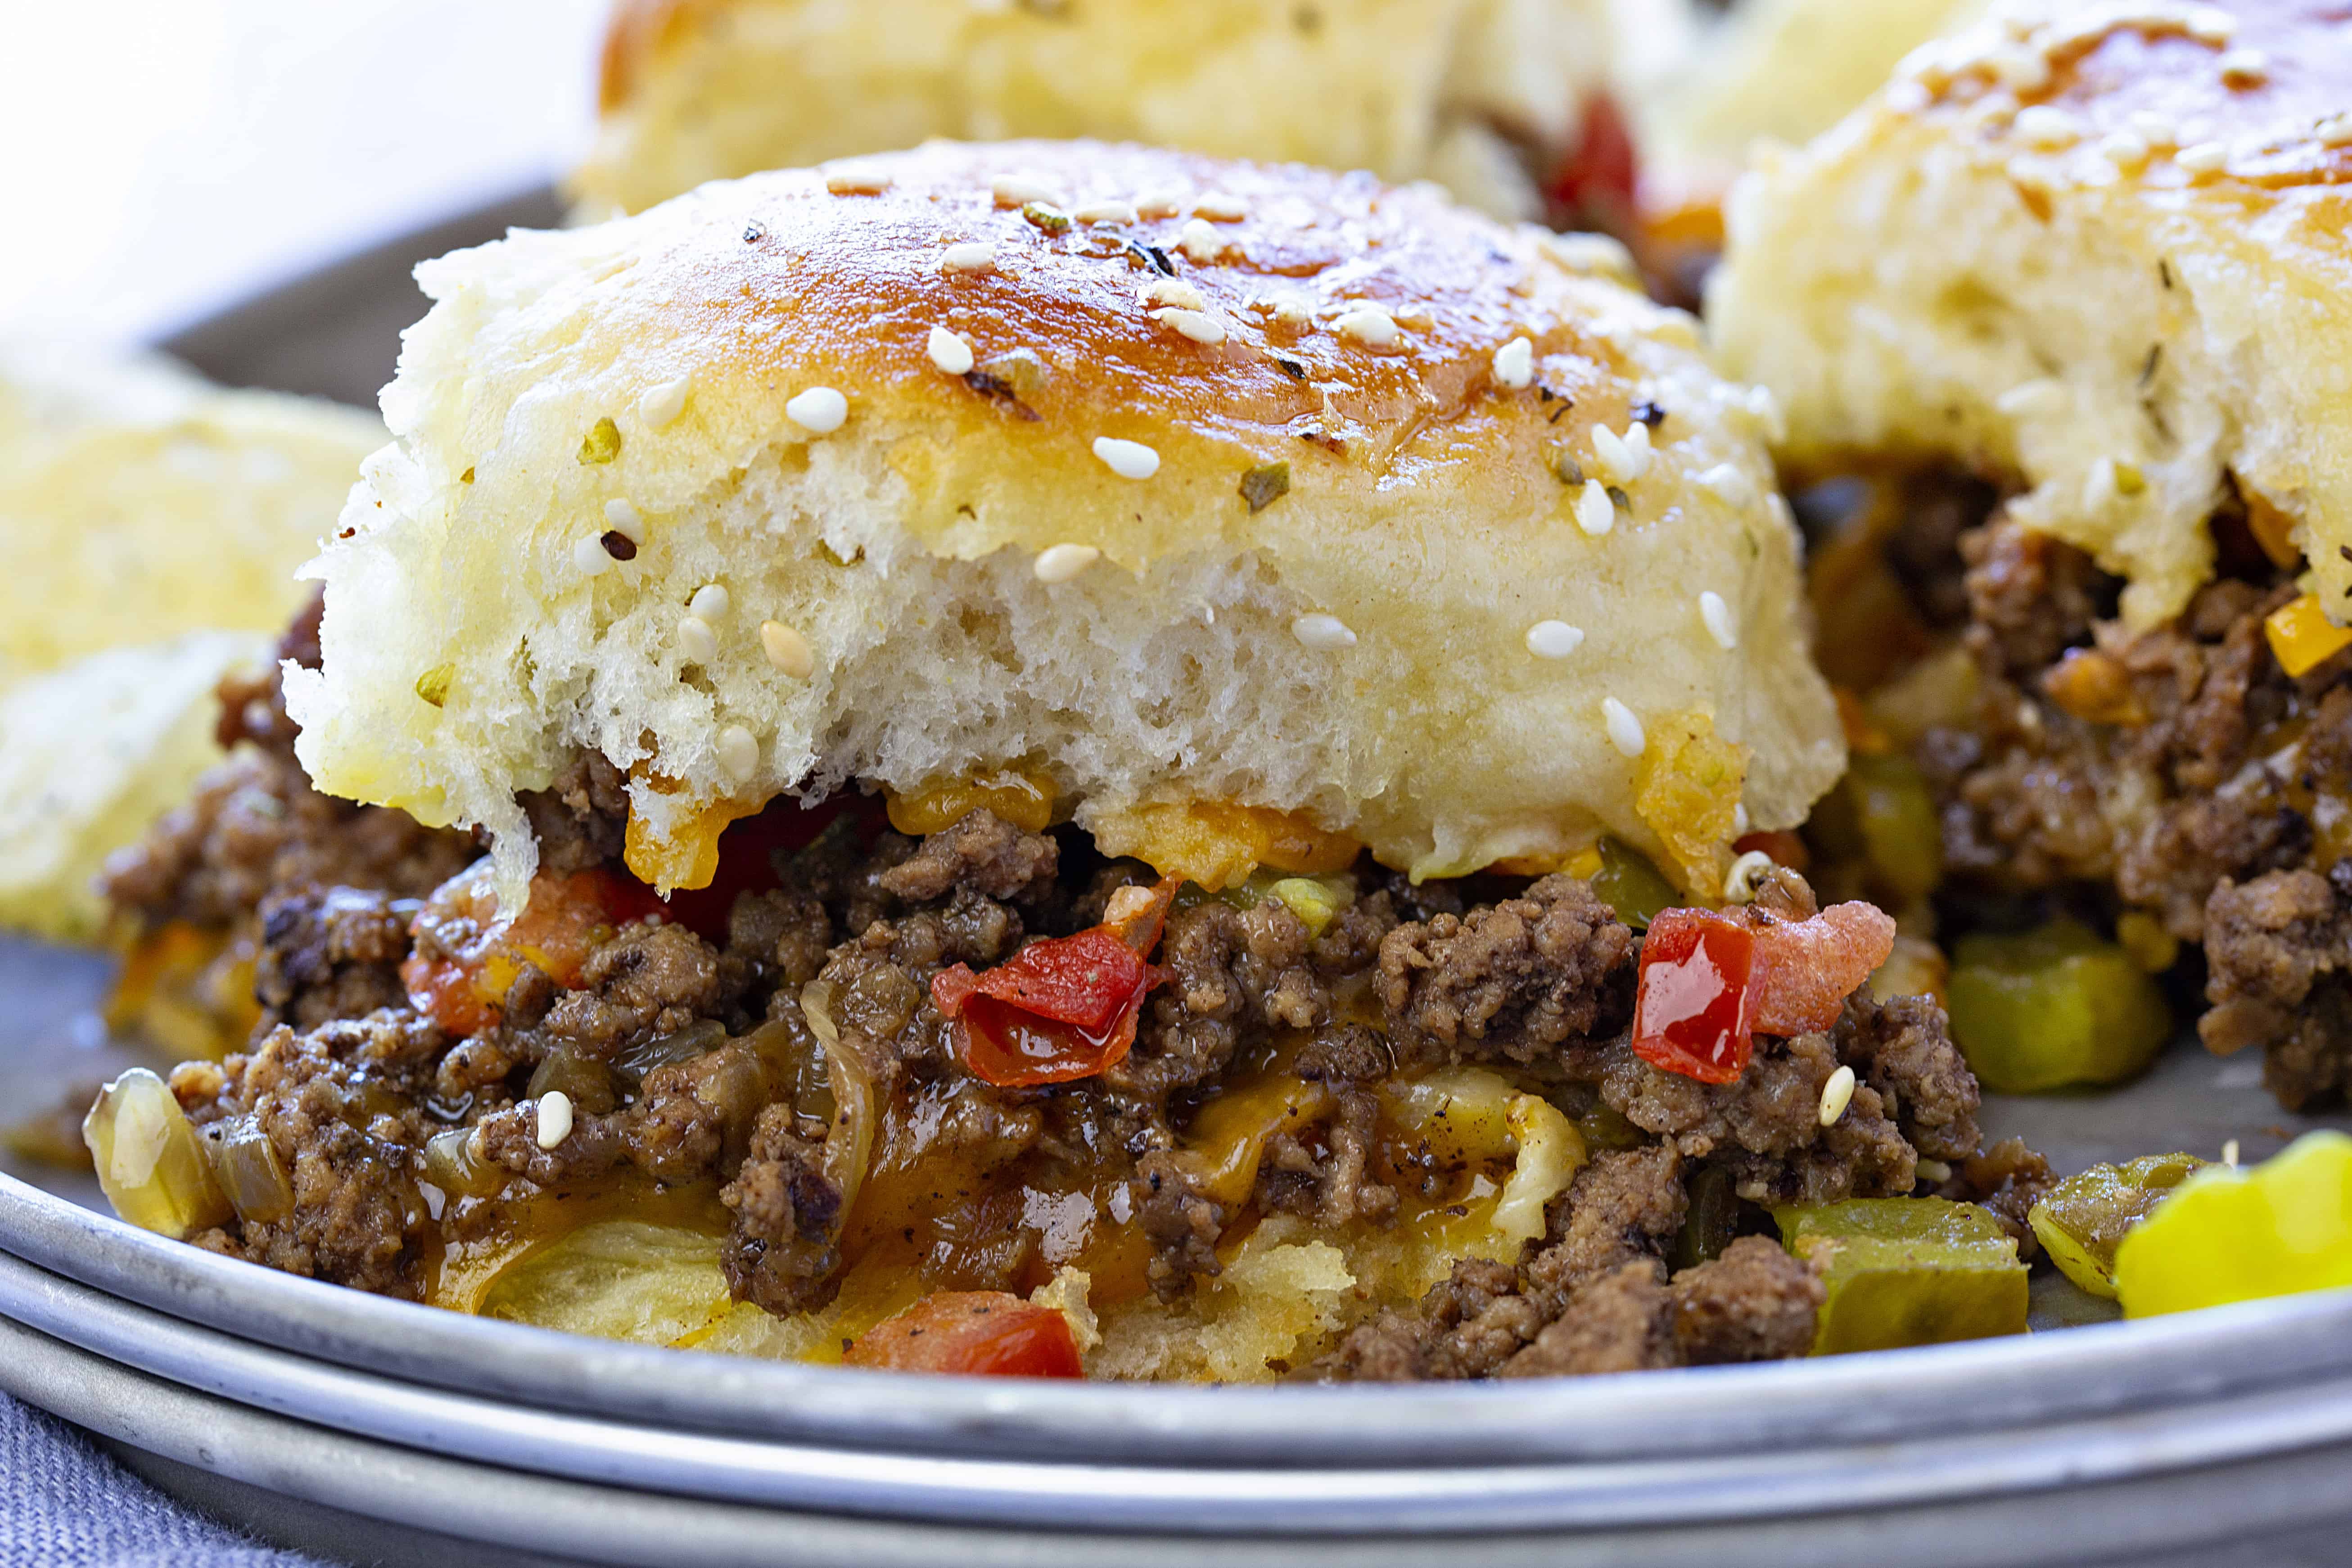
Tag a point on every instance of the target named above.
point(1059, 1009)
point(568, 919)
point(984, 1333)
point(1710, 982)
point(1693, 1007)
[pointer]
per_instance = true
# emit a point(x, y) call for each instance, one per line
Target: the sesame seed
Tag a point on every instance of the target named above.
point(949, 351)
point(1112, 211)
point(1739, 819)
point(1740, 883)
point(1019, 190)
point(1060, 563)
point(1159, 203)
point(1199, 242)
point(2230, 1153)
point(1624, 730)
point(856, 180)
point(1128, 459)
point(2211, 24)
point(1324, 634)
point(1368, 325)
point(2047, 126)
point(1515, 365)
point(819, 410)
point(2335, 131)
point(1218, 206)
point(1554, 639)
point(971, 256)
point(1728, 484)
point(1617, 458)
point(1129, 903)
point(738, 753)
point(620, 515)
point(589, 557)
point(1934, 1170)
point(695, 641)
point(1589, 256)
point(2244, 68)
point(1199, 326)
point(1595, 513)
point(554, 1119)
point(1836, 1095)
point(710, 603)
point(787, 649)
point(1721, 626)
point(2039, 396)
point(2020, 70)
point(2125, 150)
point(661, 405)
point(2204, 158)
point(1765, 409)
point(1174, 291)
point(2152, 128)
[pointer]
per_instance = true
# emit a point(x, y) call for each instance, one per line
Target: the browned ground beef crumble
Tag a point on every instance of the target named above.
point(689, 1061)
point(2215, 795)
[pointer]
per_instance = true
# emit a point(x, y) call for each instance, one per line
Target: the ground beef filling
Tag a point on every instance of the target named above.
point(794, 1067)
point(2179, 771)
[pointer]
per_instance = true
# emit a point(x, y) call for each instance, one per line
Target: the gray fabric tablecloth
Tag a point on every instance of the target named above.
point(63, 1504)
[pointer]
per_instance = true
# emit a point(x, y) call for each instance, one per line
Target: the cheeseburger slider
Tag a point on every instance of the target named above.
point(1505, 104)
point(2078, 285)
point(1074, 742)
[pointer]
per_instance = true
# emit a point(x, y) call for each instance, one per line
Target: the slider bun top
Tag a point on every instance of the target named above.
point(1212, 498)
point(1464, 93)
point(2100, 252)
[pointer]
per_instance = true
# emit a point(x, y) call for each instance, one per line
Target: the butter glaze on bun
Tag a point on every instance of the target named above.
point(2102, 252)
point(1250, 502)
point(1482, 96)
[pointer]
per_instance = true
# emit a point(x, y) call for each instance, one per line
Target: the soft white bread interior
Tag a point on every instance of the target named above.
point(138, 501)
point(1188, 486)
point(2102, 253)
point(1482, 95)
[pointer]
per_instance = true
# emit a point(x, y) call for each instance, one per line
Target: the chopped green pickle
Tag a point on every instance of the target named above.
point(150, 1160)
point(1881, 812)
point(2084, 1218)
point(2230, 1234)
point(1628, 883)
point(1907, 1271)
point(2052, 1006)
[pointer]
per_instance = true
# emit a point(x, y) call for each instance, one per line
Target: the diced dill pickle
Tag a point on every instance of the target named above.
point(1882, 813)
point(1317, 901)
point(1628, 883)
point(2084, 1218)
point(1907, 1271)
point(664, 1050)
point(621, 1280)
point(2053, 1006)
point(2227, 1235)
point(450, 1164)
point(586, 1081)
point(149, 1161)
point(247, 1170)
point(1707, 1223)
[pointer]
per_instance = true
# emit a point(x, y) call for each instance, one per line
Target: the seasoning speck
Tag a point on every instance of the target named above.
point(554, 1119)
point(1515, 365)
point(661, 405)
point(1554, 639)
point(738, 753)
point(696, 643)
point(432, 686)
point(949, 351)
point(1046, 218)
point(619, 545)
point(1595, 513)
point(1061, 563)
point(602, 442)
point(787, 649)
point(1719, 622)
point(1324, 634)
point(819, 410)
point(1836, 1095)
point(1624, 730)
point(1264, 485)
point(1128, 459)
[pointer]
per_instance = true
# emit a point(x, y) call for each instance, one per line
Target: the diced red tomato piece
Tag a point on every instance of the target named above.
point(982, 1333)
point(1709, 982)
point(1806, 969)
point(480, 954)
point(1059, 1009)
point(1693, 1007)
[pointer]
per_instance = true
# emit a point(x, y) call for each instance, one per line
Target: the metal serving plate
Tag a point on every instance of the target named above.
point(377, 1429)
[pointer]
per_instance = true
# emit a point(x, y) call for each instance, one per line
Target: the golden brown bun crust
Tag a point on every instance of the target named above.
point(2103, 251)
